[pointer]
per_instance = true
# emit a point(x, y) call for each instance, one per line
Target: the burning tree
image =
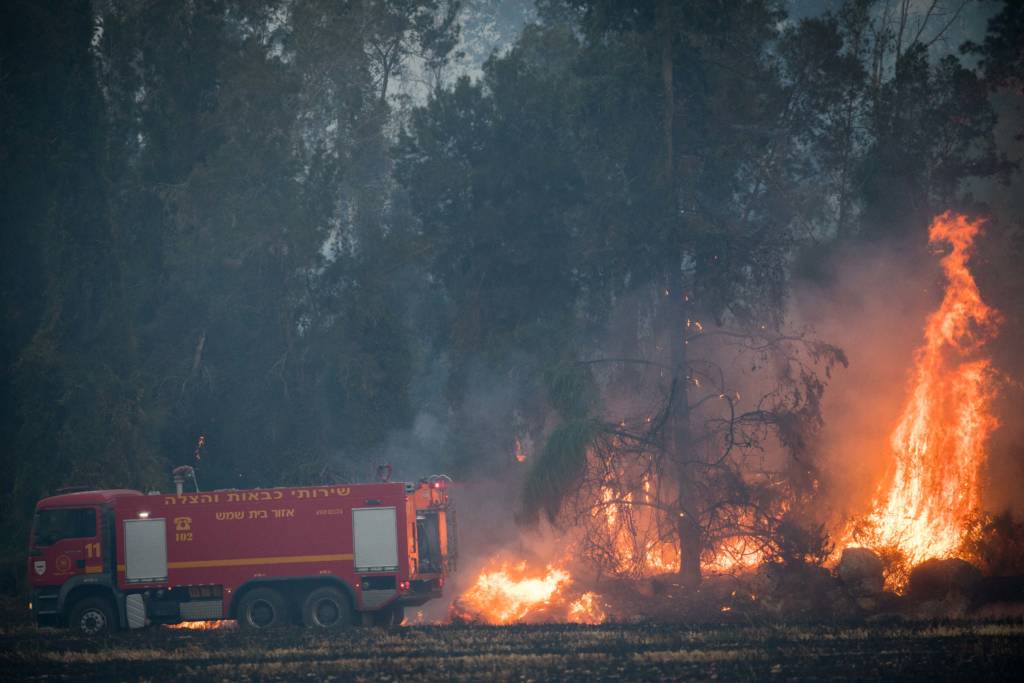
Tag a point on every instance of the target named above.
point(691, 479)
point(702, 480)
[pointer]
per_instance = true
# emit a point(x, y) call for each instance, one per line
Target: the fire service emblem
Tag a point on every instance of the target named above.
point(63, 564)
point(40, 567)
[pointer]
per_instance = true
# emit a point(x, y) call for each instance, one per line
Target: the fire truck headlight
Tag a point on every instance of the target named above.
point(143, 515)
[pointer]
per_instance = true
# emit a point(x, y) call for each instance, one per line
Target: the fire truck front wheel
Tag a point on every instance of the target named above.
point(327, 608)
point(262, 608)
point(93, 617)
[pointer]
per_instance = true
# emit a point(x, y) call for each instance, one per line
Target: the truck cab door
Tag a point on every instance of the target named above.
point(65, 542)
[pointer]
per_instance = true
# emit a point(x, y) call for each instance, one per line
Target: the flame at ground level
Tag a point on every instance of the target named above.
point(506, 593)
point(923, 509)
point(586, 610)
point(200, 625)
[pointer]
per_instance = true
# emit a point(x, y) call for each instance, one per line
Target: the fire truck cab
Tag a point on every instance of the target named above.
point(322, 556)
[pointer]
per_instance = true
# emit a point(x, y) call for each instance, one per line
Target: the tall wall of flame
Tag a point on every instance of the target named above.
point(938, 445)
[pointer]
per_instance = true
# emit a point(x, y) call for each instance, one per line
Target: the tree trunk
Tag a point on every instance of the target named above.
point(680, 442)
point(667, 77)
point(674, 313)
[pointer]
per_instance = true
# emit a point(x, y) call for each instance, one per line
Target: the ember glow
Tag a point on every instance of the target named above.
point(938, 445)
point(520, 451)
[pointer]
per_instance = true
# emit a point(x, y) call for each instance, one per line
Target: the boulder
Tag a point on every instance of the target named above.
point(860, 570)
point(800, 591)
point(939, 580)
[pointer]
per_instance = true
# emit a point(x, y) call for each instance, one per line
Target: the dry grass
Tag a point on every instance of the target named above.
point(977, 650)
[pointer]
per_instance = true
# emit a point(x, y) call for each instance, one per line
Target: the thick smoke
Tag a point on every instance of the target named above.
point(873, 305)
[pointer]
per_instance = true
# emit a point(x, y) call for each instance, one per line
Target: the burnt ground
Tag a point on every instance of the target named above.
point(965, 650)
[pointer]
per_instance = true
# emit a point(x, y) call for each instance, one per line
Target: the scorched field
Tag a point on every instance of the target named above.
point(934, 650)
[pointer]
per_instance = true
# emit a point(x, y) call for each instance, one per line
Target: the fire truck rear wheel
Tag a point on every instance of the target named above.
point(389, 616)
point(93, 617)
point(262, 608)
point(327, 608)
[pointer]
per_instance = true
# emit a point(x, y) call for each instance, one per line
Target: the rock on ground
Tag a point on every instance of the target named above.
point(860, 570)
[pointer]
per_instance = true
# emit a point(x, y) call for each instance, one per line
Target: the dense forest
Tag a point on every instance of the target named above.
point(308, 232)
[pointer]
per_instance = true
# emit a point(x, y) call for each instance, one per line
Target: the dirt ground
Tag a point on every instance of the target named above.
point(952, 650)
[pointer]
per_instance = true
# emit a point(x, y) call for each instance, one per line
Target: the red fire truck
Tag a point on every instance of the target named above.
point(323, 556)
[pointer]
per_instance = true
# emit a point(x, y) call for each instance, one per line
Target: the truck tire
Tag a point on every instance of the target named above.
point(327, 608)
point(93, 617)
point(262, 608)
point(389, 616)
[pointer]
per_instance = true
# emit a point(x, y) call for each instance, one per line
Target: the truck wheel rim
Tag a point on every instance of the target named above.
point(261, 614)
point(93, 621)
point(326, 612)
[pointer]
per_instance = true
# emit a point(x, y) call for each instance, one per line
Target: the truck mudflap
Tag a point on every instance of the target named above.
point(135, 611)
point(421, 591)
point(376, 599)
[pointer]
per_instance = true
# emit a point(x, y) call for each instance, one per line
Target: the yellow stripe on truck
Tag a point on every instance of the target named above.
point(240, 562)
point(96, 569)
point(248, 561)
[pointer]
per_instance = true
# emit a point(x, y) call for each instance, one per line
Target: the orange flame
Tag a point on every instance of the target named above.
point(735, 555)
point(510, 593)
point(199, 625)
point(639, 549)
point(585, 610)
point(938, 443)
point(520, 451)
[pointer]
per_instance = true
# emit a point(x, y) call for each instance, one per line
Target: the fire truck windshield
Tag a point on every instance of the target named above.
point(59, 523)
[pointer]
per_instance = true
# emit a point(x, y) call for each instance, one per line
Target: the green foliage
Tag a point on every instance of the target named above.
point(933, 130)
point(571, 390)
point(1002, 56)
point(72, 406)
point(199, 227)
point(573, 394)
point(558, 469)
